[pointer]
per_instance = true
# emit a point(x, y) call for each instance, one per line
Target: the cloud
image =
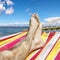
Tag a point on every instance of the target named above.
point(22, 23)
point(15, 24)
point(52, 19)
point(29, 11)
point(3, 8)
point(9, 10)
point(9, 2)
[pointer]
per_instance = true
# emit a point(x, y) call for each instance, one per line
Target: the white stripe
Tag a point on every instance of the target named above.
point(1, 38)
point(48, 47)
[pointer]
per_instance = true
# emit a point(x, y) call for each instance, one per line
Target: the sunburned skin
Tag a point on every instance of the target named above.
point(32, 42)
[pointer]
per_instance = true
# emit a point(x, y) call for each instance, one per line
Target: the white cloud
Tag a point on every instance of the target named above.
point(52, 19)
point(22, 23)
point(2, 8)
point(9, 2)
point(15, 24)
point(9, 10)
point(29, 11)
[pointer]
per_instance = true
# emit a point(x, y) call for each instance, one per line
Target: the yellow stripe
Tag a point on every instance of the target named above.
point(44, 36)
point(12, 39)
point(54, 51)
point(31, 55)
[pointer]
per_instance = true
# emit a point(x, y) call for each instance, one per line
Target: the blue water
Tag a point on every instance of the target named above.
point(4, 31)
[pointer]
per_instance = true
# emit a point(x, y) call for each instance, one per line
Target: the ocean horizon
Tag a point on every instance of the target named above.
point(8, 30)
point(4, 31)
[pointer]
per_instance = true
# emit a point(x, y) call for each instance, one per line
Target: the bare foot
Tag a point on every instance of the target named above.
point(37, 41)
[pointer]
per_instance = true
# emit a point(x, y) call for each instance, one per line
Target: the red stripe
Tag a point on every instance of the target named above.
point(50, 36)
point(58, 56)
point(12, 44)
point(48, 39)
point(34, 57)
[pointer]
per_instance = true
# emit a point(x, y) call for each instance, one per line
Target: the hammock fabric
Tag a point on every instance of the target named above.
point(50, 51)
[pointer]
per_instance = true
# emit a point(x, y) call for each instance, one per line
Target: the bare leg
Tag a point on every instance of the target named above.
point(27, 45)
point(24, 49)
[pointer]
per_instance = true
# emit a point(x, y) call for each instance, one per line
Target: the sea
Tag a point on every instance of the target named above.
point(4, 31)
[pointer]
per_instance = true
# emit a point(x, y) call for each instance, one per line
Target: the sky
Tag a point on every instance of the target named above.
point(19, 11)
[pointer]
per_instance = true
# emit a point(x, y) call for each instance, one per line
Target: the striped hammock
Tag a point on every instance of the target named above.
point(50, 51)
